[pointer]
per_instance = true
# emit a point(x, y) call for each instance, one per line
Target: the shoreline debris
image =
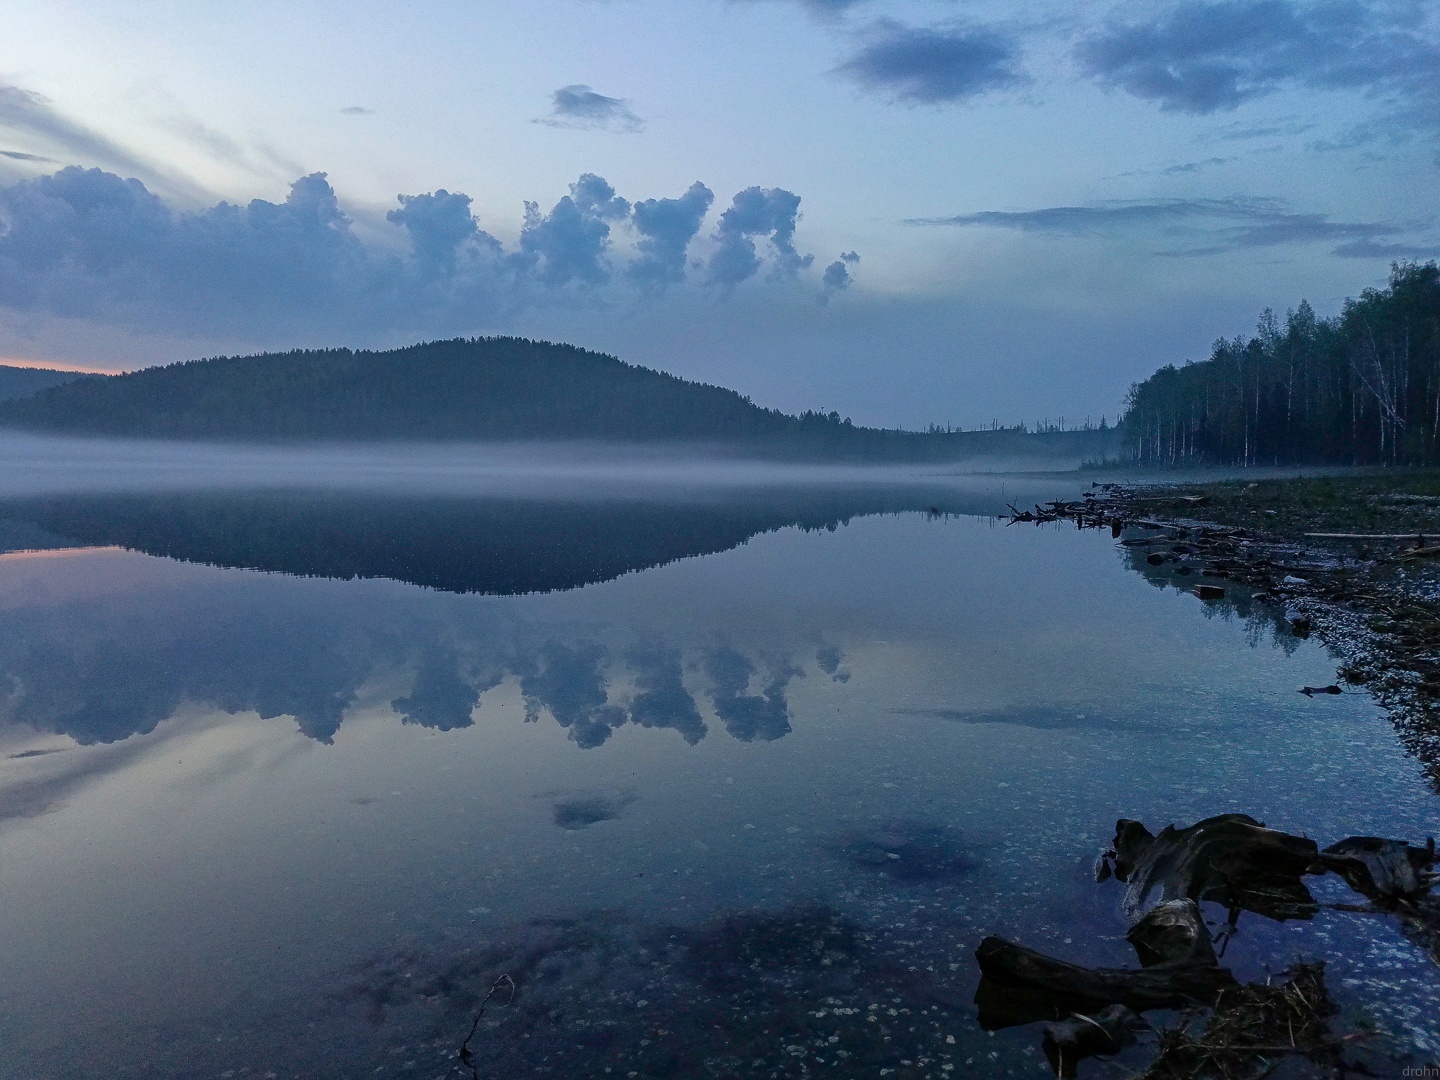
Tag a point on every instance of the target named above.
point(1229, 1031)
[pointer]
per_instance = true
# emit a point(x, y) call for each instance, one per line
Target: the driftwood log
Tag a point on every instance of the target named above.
point(1231, 859)
point(1385, 871)
point(1019, 986)
point(1172, 933)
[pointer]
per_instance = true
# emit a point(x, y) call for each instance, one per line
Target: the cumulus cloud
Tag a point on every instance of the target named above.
point(570, 243)
point(933, 65)
point(580, 107)
point(91, 245)
point(836, 277)
point(1203, 57)
point(666, 227)
point(440, 225)
point(1229, 224)
point(771, 212)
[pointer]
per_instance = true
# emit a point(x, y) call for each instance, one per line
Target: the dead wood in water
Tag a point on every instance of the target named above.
point(1068, 1042)
point(1251, 1029)
point(465, 1055)
point(1383, 870)
point(1172, 933)
point(1231, 859)
point(1019, 985)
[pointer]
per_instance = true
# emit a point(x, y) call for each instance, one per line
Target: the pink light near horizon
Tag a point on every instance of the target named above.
point(60, 365)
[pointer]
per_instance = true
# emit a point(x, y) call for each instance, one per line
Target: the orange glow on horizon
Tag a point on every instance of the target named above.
point(59, 365)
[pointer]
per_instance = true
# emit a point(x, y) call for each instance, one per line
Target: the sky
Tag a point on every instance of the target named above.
point(909, 211)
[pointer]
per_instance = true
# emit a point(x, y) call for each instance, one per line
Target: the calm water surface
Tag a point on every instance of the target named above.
point(731, 781)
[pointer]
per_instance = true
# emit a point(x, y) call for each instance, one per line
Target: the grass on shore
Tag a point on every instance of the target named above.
point(1374, 501)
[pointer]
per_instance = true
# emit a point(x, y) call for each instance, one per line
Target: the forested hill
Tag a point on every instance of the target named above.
point(1360, 388)
point(18, 382)
point(476, 389)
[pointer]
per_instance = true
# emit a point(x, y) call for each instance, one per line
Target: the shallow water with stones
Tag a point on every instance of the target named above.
point(738, 795)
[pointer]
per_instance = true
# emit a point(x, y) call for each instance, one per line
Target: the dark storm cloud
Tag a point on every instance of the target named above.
point(934, 66)
point(1204, 57)
point(666, 227)
point(89, 244)
point(1227, 224)
point(580, 107)
point(771, 212)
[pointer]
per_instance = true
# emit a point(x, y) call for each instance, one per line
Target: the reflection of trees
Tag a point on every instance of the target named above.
point(1261, 620)
point(499, 546)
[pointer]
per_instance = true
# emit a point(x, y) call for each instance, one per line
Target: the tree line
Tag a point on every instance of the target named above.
point(499, 388)
point(1362, 387)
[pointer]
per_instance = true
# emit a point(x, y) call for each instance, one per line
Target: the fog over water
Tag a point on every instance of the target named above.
point(36, 464)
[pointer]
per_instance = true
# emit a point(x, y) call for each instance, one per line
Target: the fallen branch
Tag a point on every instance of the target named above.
point(466, 1055)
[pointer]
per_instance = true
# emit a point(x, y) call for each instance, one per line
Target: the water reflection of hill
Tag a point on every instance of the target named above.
point(84, 660)
point(493, 545)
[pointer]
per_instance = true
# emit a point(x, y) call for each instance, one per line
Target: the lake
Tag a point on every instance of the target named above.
point(729, 771)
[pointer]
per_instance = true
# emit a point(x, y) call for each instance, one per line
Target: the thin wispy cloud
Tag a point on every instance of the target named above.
point(20, 155)
point(921, 65)
point(357, 110)
point(578, 106)
point(34, 117)
point(1228, 225)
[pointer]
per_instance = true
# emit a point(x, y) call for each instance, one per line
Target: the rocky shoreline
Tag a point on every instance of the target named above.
point(1339, 562)
point(1372, 598)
